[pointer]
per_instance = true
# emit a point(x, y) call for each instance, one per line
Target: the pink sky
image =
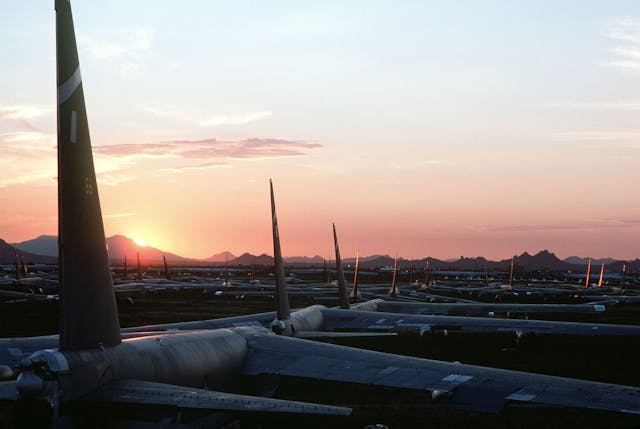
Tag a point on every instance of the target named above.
point(422, 130)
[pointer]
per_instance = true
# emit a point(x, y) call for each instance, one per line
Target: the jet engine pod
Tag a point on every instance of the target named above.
point(30, 385)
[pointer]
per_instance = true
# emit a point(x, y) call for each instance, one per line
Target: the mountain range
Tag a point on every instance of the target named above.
point(8, 255)
point(118, 246)
point(44, 249)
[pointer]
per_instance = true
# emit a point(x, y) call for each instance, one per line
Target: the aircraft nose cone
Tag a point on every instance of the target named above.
point(29, 385)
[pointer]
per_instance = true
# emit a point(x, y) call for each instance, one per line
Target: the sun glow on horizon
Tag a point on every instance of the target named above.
point(140, 242)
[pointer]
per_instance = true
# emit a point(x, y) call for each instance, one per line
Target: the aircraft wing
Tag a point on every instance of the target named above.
point(149, 393)
point(13, 350)
point(8, 391)
point(474, 309)
point(27, 296)
point(259, 319)
point(349, 320)
point(445, 384)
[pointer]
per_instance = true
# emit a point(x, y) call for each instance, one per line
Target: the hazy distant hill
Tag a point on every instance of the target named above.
point(221, 257)
point(46, 245)
point(119, 246)
point(362, 259)
point(316, 260)
point(543, 260)
point(249, 259)
point(8, 255)
point(375, 262)
point(576, 260)
point(632, 267)
point(44, 249)
point(525, 262)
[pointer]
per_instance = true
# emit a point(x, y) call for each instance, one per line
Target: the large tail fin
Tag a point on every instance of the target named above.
point(282, 298)
point(89, 316)
point(342, 289)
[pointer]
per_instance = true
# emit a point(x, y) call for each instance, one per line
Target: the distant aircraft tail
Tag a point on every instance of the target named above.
point(353, 297)
point(601, 275)
point(342, 289)
point(18, 274)
point(167, 273)
point(282, 298)
point(25, 270)
point(88, 316)
point(486, 276)
point(588, 278)
point(393, 291)
point(427, 277)
point(138, 267)
point(325, 271)
point(511, 268)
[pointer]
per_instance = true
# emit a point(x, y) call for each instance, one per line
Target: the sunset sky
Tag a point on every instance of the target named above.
point(430, 128)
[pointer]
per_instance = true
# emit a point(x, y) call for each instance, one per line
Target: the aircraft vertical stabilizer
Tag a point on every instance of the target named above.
point(124, 273)
point(88, 316)
point(588, 278)
point(25, 270)
point(325, 271)
point(513, 263)
point(17, 269)
point(601, 275)
point(342, 289)
point(393, 291)
point(138, 266)
point(282, 298)
point(354, 292)
point(167, 273)
point(486, 276)
point(427, 277)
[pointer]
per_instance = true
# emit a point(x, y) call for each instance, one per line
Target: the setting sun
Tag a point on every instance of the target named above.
point(140, 241)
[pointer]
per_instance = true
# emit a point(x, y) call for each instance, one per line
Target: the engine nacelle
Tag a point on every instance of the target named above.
point(210, 359)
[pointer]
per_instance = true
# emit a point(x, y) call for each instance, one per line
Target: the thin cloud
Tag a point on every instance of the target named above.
point(30, 158)
point(598, 136)
point(623, 106)
point(119, 43)
point(25, 136)
point(212, 149)
point(234, 118)
point(198, 167)
point(626, 33)
point(594, 224)
point(23, 112)
point(122, 47)
point(214, 120)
